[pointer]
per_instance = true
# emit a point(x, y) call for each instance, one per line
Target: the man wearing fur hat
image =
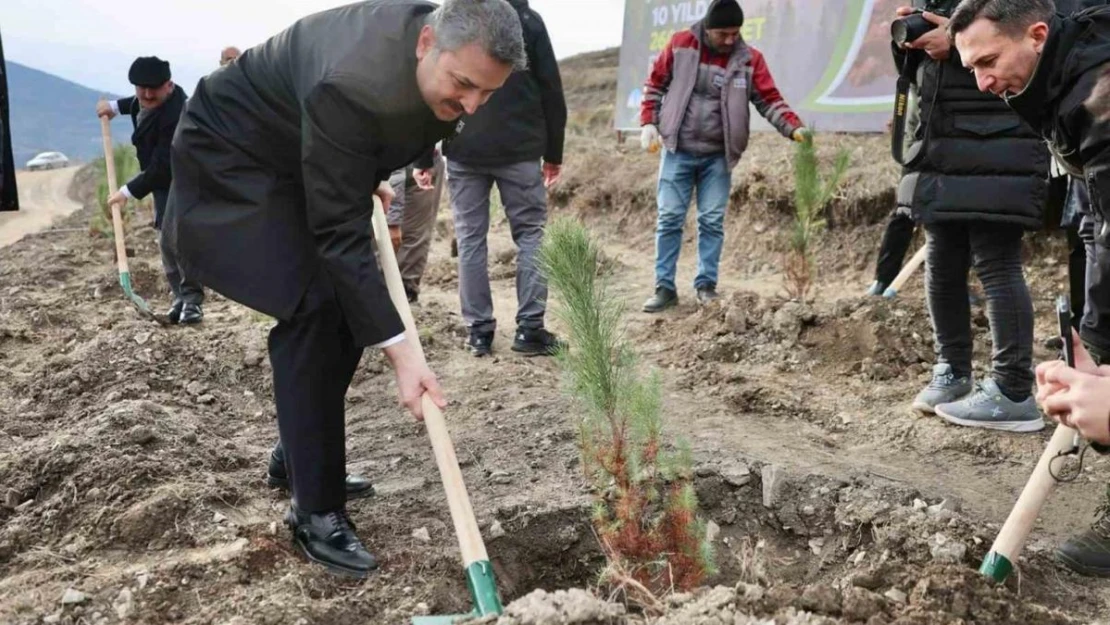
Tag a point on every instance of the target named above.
point(696, 105)
point(154, 112)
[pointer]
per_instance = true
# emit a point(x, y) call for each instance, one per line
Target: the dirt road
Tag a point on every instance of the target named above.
point(43, 198)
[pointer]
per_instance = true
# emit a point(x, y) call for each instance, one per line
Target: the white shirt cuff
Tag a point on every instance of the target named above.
point(126, 192)
point(388, 342)
point(115, 106)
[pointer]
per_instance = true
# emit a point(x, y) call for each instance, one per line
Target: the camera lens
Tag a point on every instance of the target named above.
point(909, 28)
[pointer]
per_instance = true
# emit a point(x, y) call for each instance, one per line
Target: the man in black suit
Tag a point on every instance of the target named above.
point(275, 162)
point(154, 112)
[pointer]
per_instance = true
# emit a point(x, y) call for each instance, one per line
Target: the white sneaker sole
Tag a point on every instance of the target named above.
point(924, 408)
point(1003, 426)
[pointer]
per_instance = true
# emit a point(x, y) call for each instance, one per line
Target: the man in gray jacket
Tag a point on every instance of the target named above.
point(696, 105)
point(275, 161)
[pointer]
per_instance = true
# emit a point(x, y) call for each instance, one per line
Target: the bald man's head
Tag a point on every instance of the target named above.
point(228, 55)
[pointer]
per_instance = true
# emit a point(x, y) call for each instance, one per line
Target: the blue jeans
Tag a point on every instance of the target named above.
point(679, 175)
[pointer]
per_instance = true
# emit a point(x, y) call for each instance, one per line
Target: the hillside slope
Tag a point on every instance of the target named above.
point(50, 113)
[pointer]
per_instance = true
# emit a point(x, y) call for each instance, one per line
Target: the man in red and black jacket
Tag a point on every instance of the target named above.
point(696, 105)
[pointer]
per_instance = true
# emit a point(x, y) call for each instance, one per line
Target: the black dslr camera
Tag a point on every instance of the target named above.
point(907, 29)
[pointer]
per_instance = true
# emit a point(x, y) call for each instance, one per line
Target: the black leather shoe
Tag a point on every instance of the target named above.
point(536, 342)
point(174, 314)
point(1089, 552)
point(278, 477)
point(663, 299)
point(329, 539)
point(480, 343)
point(191, 313)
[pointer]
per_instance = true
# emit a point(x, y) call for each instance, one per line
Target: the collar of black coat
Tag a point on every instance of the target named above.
point(1034, 102)
point(1075, 45)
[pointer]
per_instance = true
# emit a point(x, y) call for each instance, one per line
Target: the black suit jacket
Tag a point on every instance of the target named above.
point(277, 156)
point(152, 139)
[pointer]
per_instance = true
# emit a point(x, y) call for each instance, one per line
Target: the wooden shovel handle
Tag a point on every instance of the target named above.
point(117, 217)
point(909, 268)
point(1012, 536)
point(471, 546)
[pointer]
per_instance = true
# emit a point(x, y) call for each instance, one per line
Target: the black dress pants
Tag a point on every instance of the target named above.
point(892, 251)
point(314, 357)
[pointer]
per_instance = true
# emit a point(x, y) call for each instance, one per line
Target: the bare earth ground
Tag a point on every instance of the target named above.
point(44, 199)
point(132, 456)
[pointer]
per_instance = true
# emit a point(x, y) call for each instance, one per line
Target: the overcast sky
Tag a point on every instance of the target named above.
point(94, 42)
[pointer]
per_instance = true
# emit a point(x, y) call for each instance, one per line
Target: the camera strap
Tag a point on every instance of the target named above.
point(901, 104)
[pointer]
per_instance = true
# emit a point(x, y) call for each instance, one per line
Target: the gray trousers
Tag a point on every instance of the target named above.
point(414, 209)
point(183, 289)
point(995, 252)
point(525, 201)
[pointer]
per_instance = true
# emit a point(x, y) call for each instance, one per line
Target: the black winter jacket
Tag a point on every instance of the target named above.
point(526, 118)
point(976, 160)
point(1057, 101)
point(152, 139)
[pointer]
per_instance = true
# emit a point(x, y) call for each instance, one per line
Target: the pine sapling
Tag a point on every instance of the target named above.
point(812, 193)
point(645, 507)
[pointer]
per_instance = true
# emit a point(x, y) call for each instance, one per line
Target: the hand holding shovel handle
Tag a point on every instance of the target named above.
point(479, 571)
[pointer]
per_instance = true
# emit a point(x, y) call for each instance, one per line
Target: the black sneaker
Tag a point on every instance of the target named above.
point(174, 314)
point(536, 342)
point(707, 294)
point(1089, 552)
point(191, 313)
point(480, 343)
point(663, 299)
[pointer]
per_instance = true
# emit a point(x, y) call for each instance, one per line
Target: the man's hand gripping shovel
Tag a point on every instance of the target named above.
point(117, 228)
point(479, 571)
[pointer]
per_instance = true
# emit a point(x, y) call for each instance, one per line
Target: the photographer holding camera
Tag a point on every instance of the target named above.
point(976, 177)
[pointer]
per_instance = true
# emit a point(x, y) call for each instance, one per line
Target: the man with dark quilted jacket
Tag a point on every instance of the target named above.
point(696, 106)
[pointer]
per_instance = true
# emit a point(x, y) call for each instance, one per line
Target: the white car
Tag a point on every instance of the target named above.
point(48, 160)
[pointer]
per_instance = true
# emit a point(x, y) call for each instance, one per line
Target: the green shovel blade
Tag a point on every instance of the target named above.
point(129, 291)
point(996, 566)
point(483, 592)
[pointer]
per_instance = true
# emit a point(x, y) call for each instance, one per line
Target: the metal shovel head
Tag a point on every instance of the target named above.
point(139, 303)
point(483, 593)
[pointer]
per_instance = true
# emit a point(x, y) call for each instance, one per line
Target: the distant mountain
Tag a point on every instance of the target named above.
point(49, 113)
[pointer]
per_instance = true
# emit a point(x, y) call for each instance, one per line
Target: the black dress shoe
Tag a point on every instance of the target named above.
point(329, 538)
point(191, 313)
point(174, 314)
point(278, 477)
